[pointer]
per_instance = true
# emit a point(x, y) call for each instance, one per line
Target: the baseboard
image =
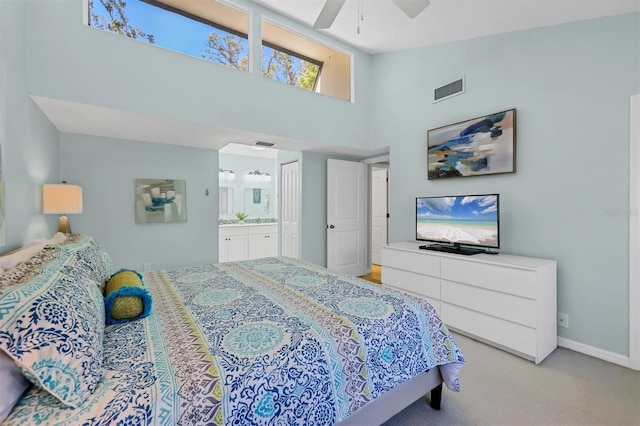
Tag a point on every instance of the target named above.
point(595, 352)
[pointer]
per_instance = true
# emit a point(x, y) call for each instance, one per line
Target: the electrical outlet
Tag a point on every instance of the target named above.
point(146, 267)
point(563, 320)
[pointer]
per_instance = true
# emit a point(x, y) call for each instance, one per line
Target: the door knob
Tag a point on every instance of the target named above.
point(331, 226)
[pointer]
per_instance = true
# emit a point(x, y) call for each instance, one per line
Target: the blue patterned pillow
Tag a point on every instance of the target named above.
point(52, 326)
point(90, 256)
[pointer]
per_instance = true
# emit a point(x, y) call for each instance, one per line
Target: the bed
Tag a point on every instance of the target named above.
point(269, 341)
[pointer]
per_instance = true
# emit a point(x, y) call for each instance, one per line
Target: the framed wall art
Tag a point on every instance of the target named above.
point(160, 200)
point(481, 146)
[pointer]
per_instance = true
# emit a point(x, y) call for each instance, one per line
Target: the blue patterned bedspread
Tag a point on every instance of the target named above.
point(267, 341)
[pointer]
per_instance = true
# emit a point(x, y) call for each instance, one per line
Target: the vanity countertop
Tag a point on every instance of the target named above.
point(230, 225)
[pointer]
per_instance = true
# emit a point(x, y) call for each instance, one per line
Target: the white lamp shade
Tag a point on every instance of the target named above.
point(61, 199)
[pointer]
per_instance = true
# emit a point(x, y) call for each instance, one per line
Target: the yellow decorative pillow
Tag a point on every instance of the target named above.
point(126, 298)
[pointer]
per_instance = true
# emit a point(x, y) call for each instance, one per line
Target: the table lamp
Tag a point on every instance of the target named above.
point(63, 199)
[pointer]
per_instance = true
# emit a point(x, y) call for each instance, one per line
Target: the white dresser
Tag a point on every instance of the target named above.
point(507, 301)
point(250, 241)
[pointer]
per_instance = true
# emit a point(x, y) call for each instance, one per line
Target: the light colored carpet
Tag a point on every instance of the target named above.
point(567, 388)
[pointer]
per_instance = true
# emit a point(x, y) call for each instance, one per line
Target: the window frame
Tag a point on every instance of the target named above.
point(198, 18)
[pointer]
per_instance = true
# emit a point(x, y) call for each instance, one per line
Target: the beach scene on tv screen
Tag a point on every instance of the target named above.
point(463, 220)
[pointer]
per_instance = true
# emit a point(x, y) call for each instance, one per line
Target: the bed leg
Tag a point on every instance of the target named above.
point(436, 397)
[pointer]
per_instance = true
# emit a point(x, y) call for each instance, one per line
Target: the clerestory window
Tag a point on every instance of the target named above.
point(216, 32)
point(201, 28)
point(305, 63)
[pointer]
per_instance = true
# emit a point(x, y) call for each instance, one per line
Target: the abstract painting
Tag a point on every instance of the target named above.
point(160, 200)
point(481, 146)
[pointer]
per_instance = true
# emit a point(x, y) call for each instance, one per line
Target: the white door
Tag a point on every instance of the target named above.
point(634, 241)
point(378, 213)
point(347, 217)
point(289, 209)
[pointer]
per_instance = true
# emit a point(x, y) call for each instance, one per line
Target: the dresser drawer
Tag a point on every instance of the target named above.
point(513, 308)
point(413, 262)
point(504, 333)
point(423, 285)
point(520, 282)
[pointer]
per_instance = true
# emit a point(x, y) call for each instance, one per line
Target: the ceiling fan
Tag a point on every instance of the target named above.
point(331, 8)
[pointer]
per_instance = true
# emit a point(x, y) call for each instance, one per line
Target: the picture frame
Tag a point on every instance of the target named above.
point(160, 200)
point(257, 196)
point(484, 145)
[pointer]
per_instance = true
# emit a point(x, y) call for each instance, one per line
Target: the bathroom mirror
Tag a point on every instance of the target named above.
point(226, 200)
point(257, 201)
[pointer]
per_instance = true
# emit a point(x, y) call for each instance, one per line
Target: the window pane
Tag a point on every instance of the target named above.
point(296, 59)
point(162, 24)
point(287, 68)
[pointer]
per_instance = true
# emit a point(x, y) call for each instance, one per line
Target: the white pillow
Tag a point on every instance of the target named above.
point(58, 238)
point(12, 385)
point(22, 254)
point(27, 252)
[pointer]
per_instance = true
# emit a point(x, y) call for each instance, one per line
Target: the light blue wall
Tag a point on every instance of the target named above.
point(71, 61)
point(28, 140)
point(571, 86)
point(313, 207)
point(570, 83)
point(106, 169)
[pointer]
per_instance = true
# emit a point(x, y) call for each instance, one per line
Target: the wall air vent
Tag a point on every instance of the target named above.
point(449, 90)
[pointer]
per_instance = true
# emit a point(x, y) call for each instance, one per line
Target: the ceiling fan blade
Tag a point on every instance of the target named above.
point(412, 8)
point(328, 13)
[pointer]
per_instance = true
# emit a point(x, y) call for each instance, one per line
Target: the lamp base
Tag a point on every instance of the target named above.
point(63, 225)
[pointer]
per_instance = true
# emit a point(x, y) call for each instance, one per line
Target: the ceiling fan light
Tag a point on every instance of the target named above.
point(412, 8)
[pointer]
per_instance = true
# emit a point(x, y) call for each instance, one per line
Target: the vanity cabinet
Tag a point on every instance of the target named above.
point(263, 241)
point(234, 243)
point(242, 242)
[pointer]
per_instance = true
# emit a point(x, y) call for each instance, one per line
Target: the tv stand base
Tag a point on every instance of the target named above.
point(507, 301)
point(467, 251)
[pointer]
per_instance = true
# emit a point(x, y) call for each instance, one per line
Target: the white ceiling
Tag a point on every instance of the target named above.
point(386, 28)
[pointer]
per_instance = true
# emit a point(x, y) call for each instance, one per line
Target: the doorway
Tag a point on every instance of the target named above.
point(289, 228)
point(378, 214)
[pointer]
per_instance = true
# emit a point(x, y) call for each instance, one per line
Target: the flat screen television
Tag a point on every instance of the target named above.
point(463, 224)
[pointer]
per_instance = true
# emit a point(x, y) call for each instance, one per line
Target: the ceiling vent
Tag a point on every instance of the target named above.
point(259, 145)
point(264, 144)
point(449, 90)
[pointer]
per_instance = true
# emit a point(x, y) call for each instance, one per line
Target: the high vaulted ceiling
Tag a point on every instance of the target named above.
point(386, 28)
